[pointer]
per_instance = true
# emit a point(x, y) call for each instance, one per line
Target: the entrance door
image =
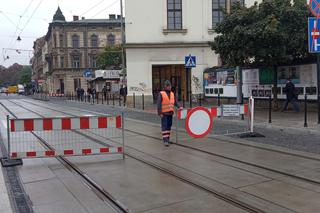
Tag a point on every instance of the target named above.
point(176, 74)
point(61, 86)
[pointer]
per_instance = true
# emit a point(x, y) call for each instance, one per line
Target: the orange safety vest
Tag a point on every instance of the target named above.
point(167, 104)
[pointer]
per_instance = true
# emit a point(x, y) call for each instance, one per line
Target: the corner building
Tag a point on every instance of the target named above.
point(73, 48)
point(159, 34)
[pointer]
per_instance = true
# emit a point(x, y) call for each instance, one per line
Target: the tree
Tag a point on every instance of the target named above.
point(269, 34)
point(111, 58)
point(25, 76)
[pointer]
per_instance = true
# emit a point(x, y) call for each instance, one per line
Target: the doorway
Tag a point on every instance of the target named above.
point(61, 86)
point(176, 74)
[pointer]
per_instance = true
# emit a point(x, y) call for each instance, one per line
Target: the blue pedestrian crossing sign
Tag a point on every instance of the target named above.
point(190, 61)
point(314, 35)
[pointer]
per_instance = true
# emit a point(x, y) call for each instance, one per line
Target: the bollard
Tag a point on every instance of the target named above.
point(134, 100)
point(142, 101)
point(219, 103)
point(113, 99)
point(183, 103)
point(305, 111)
point(270, 106)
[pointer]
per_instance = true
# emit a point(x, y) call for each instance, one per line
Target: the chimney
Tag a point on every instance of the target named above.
point(83, 18)
point(119, 17)
point(112, 16)
point(75, 18)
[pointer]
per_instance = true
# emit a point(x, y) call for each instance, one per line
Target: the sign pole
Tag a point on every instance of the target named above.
point(318, 85)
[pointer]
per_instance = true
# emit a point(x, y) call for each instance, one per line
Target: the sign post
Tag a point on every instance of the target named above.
point(189, 63)
point(314, 41)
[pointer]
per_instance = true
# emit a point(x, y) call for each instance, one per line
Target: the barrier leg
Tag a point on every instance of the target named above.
point(122, 117)
point(7, 161)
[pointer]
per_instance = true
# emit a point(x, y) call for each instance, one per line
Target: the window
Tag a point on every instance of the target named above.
point(75, 41)
point(94, 41)
point(93, 61)
point(76, 61)
point(111, 39)
point(61, 61)
point(217, 7)
point(61, 40)
point(174, 13)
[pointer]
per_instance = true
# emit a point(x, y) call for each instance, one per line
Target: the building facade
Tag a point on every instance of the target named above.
point(37, 62)
point(156, 48)
point(72, 49)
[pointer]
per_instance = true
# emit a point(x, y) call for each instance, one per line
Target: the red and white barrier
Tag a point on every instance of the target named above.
point(58, 133)
point(215, 111)
point(56, 95)
point(67, 152)
point(66, 123)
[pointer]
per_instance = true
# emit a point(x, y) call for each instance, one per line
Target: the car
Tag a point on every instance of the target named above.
point(3, 90)
point(20, 89)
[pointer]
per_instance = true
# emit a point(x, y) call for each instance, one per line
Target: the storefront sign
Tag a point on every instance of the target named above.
point(108, 74)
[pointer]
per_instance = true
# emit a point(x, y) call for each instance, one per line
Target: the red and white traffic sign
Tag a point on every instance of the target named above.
point(199, 122)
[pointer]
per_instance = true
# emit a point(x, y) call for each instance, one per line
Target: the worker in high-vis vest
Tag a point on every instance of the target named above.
point(166, 103)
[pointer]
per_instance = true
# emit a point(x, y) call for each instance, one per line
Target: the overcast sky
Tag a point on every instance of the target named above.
point(35, 16)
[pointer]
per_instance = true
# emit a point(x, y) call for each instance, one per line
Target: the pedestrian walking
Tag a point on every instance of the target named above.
point(93, 93)
point(292, 96)
point(78, 91)
point(166, 103)
point(81, 94)
point(104, 90)
point(123, 93)
point(89, 94)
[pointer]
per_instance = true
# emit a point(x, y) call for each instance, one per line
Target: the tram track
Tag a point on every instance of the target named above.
point(224, 197)
point(277, 171)
point(99, 191)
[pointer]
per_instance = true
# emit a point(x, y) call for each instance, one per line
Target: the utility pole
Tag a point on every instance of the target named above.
point(122, 37)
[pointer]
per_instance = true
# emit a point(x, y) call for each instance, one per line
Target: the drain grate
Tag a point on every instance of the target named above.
point(19, 198)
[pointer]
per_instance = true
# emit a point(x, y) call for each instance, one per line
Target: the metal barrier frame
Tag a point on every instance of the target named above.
point(11, 160)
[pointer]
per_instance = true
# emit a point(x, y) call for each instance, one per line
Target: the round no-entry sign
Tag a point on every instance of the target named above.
point(199, 122)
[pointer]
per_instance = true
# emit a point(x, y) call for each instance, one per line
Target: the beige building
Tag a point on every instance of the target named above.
point(156, 49)
point(72, 48)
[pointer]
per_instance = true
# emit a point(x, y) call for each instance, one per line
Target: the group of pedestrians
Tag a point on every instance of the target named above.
point(91, 93)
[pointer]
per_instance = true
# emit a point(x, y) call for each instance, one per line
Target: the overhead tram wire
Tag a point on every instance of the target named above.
point(94, 6)
point(7, 18)
point(105, 8)
point(34, 11)
point(18, 24)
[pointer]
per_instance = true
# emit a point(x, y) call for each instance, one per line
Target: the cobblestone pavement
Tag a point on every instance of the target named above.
point(295, 138)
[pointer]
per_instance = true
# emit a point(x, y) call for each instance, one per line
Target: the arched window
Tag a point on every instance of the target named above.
point(111, 39)
point(75, 41)
point(94, 41)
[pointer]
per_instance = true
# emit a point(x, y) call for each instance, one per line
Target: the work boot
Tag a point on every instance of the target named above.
point(166, 143)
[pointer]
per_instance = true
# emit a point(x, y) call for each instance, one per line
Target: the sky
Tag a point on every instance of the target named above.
point(30, 19)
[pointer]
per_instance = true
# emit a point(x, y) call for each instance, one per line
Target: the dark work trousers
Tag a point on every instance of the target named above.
point(166, 123)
